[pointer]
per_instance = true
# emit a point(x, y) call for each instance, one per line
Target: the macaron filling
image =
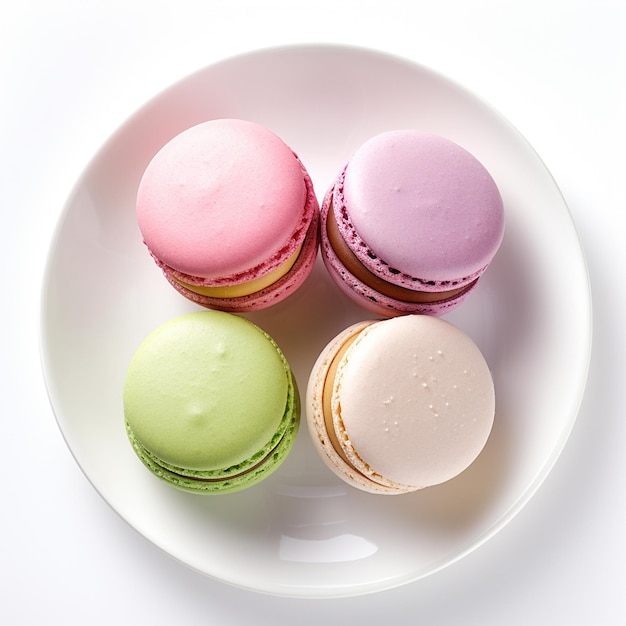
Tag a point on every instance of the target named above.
point(333, 425)
point(219, 474)
point(397, 292)
point(257, 462)
point(246, 288)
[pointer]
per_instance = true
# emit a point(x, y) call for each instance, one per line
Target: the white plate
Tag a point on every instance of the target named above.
point(302, 532)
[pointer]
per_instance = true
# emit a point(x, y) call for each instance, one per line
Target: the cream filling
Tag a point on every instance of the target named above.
point(327, 392)
point(246, 288)
point(331, 430)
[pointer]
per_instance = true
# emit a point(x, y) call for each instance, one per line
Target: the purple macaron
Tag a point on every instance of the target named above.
point(410, 224)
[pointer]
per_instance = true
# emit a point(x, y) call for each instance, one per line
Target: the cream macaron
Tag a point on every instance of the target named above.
point(397, 405)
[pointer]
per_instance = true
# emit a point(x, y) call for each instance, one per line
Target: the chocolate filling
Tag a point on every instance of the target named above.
point(357, 269)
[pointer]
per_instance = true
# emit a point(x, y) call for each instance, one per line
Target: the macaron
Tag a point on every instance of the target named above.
point(228, 212)
point(410, 224)
point(210, 403)
point(400, 404)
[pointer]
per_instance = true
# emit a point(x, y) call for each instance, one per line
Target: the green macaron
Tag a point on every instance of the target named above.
point(210, 403)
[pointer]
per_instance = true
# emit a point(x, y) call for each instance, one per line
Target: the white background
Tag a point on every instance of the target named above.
point(71, 72)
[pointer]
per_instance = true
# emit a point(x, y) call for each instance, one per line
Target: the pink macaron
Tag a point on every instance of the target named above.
point(410, 224)
point(228, 212)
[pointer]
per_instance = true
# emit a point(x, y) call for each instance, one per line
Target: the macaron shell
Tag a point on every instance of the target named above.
point(363, 294)
point(417, 206)
point(279, 290)
point(191, 195)
point(416, 400)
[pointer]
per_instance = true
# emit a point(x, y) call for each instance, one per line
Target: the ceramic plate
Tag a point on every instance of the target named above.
point(303, 532)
